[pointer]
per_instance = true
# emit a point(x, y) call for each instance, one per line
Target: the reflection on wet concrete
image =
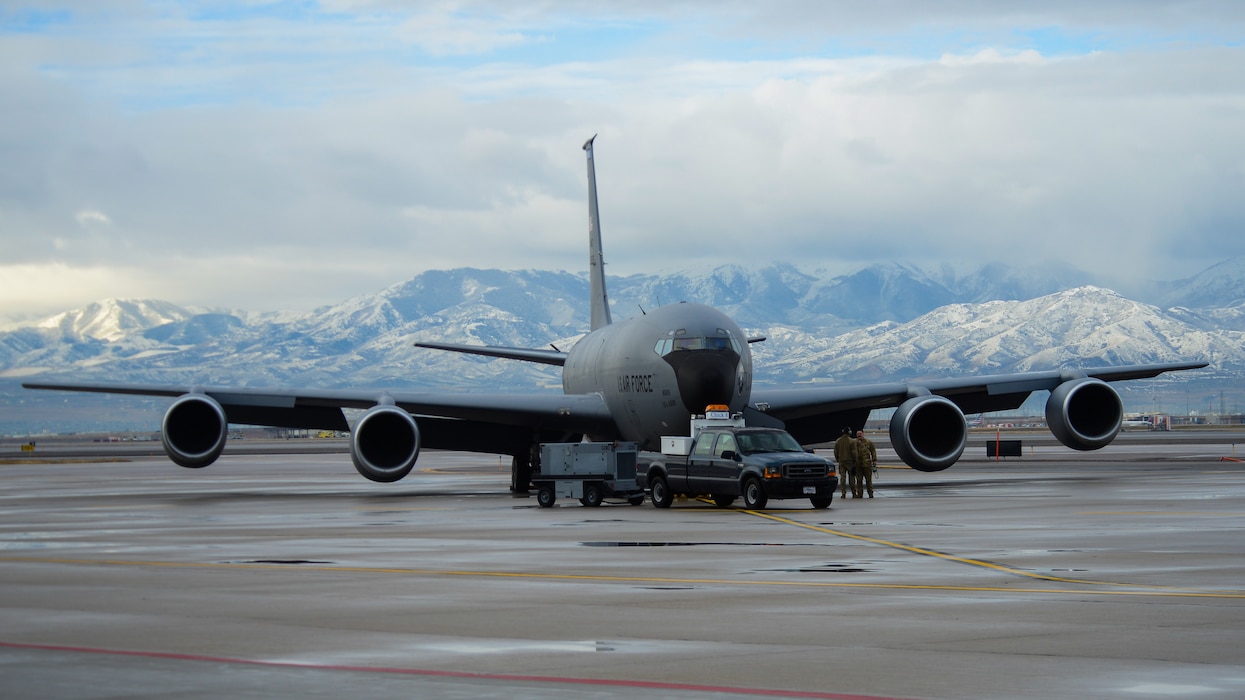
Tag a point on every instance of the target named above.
point(683, 544)
point(285, 561)
point(916, 594)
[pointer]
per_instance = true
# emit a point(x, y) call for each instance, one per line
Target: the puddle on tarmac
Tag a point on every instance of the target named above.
point(599, 646)
point(282, 561)
point(822, 569)
point(694, 544)
point(888, 524)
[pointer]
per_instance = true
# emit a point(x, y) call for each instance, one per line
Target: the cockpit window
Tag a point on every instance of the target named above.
point(665, 346)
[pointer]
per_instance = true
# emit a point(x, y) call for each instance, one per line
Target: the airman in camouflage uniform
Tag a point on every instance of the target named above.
point(866, 463)
point(845, 455)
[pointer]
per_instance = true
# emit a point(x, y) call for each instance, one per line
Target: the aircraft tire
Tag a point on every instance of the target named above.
point(660, 491)
point(723, 501)
point(754, 494)
point(520, 474)
point(636, 500)
point(821, 502)
point(592, 495)
point(546, 496)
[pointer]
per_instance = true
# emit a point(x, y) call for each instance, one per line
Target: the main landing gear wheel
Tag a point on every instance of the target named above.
point(821, 502)
point(723, 501)
point(520, 474)
point(546, 496)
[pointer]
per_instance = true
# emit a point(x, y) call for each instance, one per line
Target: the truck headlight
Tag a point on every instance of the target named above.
point(773, 472)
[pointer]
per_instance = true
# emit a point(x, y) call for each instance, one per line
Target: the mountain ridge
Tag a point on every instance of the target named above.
point(881, 323)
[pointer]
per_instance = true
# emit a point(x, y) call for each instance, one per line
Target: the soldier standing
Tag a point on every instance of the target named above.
point(845, 455)
point(866, 464)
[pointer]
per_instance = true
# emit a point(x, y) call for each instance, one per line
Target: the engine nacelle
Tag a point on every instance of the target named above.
point(194, 430)
point(384, 444)
point(928, 433)
point(1084, 414)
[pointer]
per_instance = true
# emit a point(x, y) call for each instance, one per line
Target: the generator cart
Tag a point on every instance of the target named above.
point(589, 471)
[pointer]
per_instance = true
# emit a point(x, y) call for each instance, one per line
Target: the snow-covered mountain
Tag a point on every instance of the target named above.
point(883, 322)
point(1086, 326)
point(113, 319)
point(1220, 286)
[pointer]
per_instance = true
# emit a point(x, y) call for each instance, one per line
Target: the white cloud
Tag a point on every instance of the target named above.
point(443, 34)
point(87, 217)
point(317, 157)
point(35, 291)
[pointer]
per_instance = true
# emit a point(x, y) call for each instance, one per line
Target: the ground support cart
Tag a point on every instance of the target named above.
point(589, 471)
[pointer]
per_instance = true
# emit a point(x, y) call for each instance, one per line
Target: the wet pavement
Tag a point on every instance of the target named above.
point(1114, 574)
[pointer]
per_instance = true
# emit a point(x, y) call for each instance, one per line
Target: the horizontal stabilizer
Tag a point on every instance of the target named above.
point(547, 357)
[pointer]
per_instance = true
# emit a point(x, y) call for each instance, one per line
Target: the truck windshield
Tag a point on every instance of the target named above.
point(752, 443)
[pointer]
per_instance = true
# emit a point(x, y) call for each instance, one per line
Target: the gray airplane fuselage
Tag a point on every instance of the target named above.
point(656, 370)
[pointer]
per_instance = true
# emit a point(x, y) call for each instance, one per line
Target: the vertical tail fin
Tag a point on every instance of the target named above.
point(596, 260)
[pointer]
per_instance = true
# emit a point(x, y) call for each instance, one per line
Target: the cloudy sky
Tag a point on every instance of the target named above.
point(284, 155)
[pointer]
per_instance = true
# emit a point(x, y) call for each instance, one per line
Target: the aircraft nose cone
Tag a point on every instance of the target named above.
point(705, 376)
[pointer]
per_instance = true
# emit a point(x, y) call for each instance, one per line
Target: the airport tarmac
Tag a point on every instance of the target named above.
point(1116, 574)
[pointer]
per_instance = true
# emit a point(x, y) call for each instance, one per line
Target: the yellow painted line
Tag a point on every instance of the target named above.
point(1181, 513)
point(11, 461)
point(459, 471)
point(1156, 591)
point(963, 560)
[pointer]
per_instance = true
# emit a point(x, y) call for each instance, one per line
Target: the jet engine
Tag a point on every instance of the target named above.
point(1084, 414)
point(384, 444)
point(928, 433)
point(194, 430)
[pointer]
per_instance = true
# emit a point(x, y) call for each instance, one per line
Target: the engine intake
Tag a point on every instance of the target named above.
point(1084, 414)
point(194, 430)
point(928, 433)
point(384, 444)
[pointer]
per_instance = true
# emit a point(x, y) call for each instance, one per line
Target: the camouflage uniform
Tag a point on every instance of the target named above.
point(866, 462)
point(845, 455)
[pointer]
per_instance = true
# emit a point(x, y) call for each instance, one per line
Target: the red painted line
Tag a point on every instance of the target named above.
point(469, 675)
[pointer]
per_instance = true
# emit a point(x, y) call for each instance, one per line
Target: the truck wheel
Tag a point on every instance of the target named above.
point(754, 495)
point(546, 496)
point(821, 502)
point(592, 495)
point(723, 501)
point(660, 490)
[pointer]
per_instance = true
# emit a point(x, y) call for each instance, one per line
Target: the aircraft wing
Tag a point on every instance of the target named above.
point(447, 421)
point(817, 414)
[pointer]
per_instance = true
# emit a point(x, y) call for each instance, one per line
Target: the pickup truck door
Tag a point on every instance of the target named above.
point(722, 474)
point(700, 464)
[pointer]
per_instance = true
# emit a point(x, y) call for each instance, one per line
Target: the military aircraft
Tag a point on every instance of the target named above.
point(633, 380)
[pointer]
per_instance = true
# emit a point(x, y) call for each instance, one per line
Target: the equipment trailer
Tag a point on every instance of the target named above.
point(589, 471)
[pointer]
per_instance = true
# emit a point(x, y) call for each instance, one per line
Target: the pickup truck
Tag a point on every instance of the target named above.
point(727, 462)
